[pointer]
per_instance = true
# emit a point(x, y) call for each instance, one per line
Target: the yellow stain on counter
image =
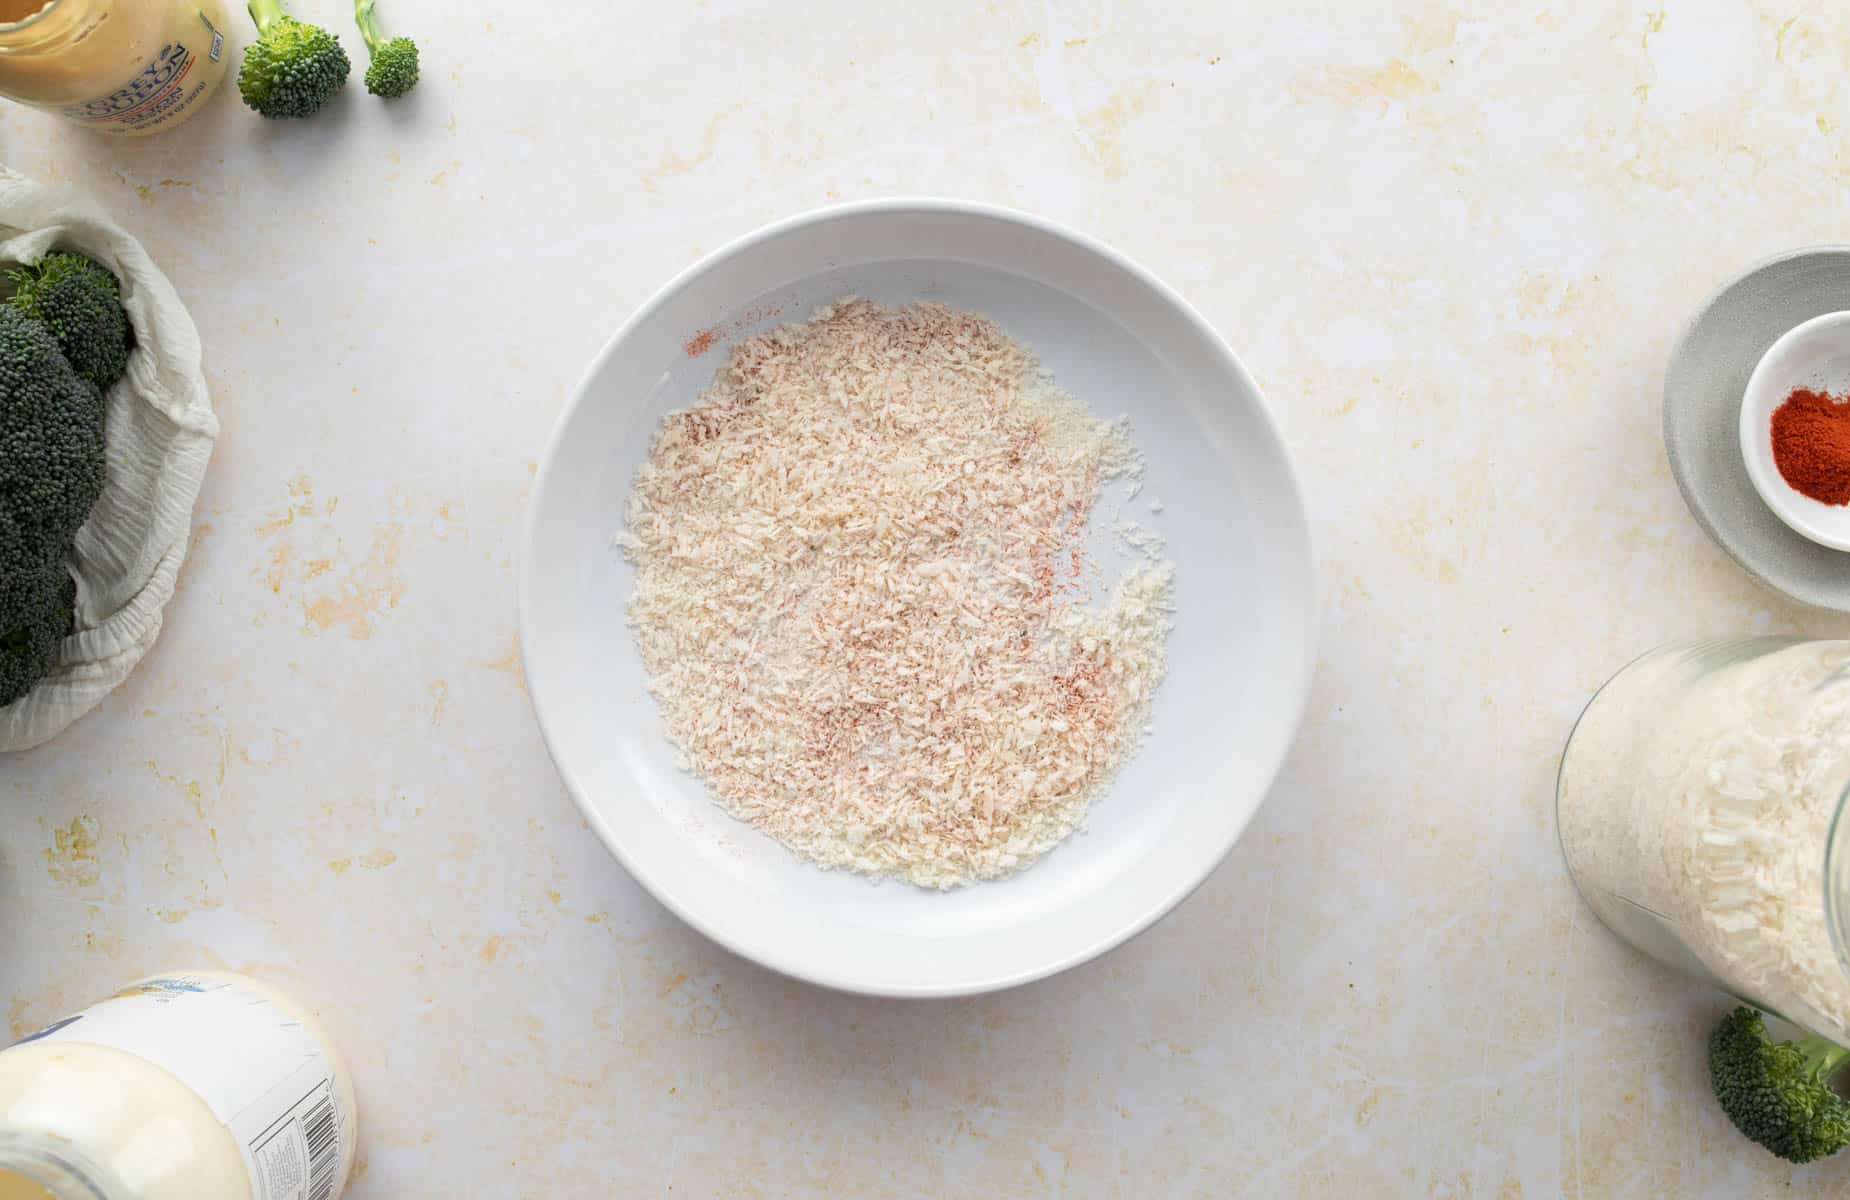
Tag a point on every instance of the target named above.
point(195, 794)
point(277, 524)
point(1394, 80)
point(71, 858)
point(16, 1020)
point(279, 566)
point(369, 590)
point(671, 164)
point(1654, 23)
point(1779, 55)
point(301, 504)
point(445, 522)
point(377, 860)
point(1105, 128)
point(510, 664)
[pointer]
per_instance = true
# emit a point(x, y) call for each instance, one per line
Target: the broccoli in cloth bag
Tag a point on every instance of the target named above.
point(159, 428)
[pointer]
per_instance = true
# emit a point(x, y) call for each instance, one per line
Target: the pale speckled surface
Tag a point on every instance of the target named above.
point(1454, 249)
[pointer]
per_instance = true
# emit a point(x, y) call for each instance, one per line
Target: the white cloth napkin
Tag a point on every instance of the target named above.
point(160, 433)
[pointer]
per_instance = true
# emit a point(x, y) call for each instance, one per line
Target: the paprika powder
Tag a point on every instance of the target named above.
point(1811, 444)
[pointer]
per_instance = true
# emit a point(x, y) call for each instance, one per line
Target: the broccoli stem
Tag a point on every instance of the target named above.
point(1823, 1057)
point(364, 17)
point(265, 12)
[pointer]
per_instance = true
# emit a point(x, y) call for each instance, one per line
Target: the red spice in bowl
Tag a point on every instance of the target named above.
point(1811, 444)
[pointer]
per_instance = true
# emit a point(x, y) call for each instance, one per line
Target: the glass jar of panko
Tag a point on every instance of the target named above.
point(1698, 805)
point(124, 67)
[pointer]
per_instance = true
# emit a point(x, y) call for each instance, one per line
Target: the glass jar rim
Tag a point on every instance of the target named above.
point(55, 1171)
point(30, 19)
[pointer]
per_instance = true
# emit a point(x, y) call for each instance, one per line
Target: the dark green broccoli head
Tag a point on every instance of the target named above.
point(1779, 1093)
point(29, 647)
point(51, 441)
point(52, 470)
point(394, 69)
point(80, 302)
point(293, 68)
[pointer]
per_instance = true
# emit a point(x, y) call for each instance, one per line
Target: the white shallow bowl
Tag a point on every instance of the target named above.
point(1240, 658)
point(1813, 355)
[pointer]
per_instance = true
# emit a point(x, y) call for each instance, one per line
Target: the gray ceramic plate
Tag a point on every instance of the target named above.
point(1702, 408)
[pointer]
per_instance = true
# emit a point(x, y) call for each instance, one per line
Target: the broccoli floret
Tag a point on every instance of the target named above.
point(80, 302)
point(293, 68)
point(51, 473)
point(394, 69)
point(1779, 1093)
point(29, 650)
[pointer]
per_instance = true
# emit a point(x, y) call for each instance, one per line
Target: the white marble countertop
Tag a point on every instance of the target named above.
point(1454, 250)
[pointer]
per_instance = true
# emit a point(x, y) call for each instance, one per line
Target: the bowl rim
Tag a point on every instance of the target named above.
point(772, 958)
point(1773, 490)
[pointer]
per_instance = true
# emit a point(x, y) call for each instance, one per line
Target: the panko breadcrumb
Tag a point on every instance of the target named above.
point(861, 595)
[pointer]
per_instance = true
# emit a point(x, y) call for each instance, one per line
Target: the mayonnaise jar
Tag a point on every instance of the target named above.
point(125, 67)
point(195, 1085)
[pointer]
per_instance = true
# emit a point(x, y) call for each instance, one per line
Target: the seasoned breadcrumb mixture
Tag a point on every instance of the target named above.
point(862, 594)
